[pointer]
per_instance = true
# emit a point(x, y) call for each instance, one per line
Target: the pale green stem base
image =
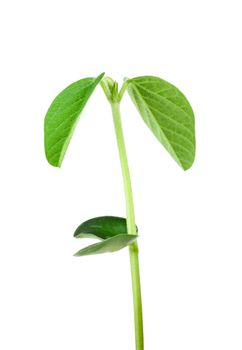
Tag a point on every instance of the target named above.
point(138, 318)
point(133, 248)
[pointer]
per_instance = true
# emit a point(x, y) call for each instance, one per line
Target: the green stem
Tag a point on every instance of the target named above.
point(133, 248)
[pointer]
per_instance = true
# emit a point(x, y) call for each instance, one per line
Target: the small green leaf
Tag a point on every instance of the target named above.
point(108, 246)
point(168, 114)
point(102, 227)
point(63, 115)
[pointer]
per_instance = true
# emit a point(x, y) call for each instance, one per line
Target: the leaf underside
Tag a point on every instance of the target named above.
point(168, 114)
point(63, 115)
point(111, 230)
point(109, 245)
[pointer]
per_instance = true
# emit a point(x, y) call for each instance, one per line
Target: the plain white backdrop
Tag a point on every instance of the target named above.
point(189, 222)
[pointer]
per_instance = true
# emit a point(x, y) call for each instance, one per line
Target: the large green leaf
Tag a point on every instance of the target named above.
point(108, 246)
point(102, 227)
point(168, 114)
point(62, 117)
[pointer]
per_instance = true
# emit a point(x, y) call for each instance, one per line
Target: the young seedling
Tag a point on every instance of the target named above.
point(169, 116)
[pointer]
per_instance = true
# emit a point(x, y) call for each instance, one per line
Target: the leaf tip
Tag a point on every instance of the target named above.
point(75, 235)
point(53, 162)
point(100, 76)
point(186, 167)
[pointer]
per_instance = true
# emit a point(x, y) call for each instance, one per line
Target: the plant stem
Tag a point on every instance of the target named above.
point(133, 248)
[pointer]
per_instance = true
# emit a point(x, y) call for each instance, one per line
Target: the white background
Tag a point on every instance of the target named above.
point(189, 222)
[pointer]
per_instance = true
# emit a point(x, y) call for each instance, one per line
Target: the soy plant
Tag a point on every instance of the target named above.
point(169, 116)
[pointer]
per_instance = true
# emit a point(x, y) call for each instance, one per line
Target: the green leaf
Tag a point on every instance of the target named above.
point(111, 230)
point(168, 114)
point(63, 115)
point(102, 227)
point(108, 246)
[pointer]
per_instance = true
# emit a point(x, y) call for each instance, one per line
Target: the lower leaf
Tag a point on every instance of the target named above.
point(109, 245)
